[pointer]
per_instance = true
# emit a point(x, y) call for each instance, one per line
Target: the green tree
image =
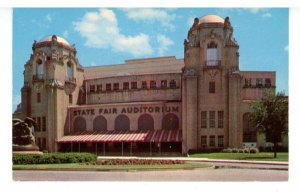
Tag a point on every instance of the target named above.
point(270, 116)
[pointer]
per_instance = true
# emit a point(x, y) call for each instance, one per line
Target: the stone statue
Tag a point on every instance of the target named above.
point(23, 134)
point(228, 33)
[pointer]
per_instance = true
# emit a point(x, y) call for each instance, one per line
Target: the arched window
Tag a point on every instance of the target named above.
point(39, 69)
point(122, 122)
point(79, 124)
point(249, 131)
point(170, 122)
point(212, 55)
point(99, 123)
point(69, 70)
point(145, 122)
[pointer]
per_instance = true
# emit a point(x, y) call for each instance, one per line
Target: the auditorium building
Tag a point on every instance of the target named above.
point(146, 106)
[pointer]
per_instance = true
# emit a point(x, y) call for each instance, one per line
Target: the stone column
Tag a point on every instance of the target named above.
point(235, 128)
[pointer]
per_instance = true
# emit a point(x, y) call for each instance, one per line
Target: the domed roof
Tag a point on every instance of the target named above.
point(211, 19)
point(59, 40)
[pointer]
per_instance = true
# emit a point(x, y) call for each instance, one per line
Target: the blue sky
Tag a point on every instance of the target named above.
point(110, 36)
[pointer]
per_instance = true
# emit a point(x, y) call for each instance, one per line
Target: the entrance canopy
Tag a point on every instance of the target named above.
point(124, 136)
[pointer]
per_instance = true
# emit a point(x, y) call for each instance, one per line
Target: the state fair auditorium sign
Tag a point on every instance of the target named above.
point(127, 110)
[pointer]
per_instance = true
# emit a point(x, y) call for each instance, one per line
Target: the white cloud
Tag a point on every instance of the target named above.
point(101, 30)
point(151, 15)
point(49, 18)
point(267, 15)
point(164, 43)
point(286, 48)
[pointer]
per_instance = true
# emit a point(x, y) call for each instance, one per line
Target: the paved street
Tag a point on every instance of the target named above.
point(206, 174)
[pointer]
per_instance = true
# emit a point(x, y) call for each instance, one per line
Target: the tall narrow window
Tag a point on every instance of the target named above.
point(144, 84)
point(203, 119)
point(38, 123)
point(116, 86)
point(212, 58)
point(108, 87)
point(268, 83)
point(212, 87)
point(172, 84)
point(203, 141)
point(38, 97)
point(134, 85)
point(211, 119)
point(99, 87)
point(247, 82)
point(163, 84)
point(92, 88)
point(39, 70)
point(212, 141)
point(125, 86)
point(259, 82)
point(152, 84)
point(69, 71)
point(44, 123)
point(220, 141)
point(70, 99)
point(220, 119)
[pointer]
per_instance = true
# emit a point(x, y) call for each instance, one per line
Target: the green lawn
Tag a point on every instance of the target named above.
point(263, 156)
point(77, 166)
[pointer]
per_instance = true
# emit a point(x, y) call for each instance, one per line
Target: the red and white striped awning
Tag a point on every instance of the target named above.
point(124, 136)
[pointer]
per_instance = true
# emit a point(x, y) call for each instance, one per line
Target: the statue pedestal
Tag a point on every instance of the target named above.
point(25, 148)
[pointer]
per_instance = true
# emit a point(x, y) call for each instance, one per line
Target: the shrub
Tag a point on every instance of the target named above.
point(241, 150)
point(53, 158)
point(253, 150)
point(246, 150)
point(234, 150)
point(228, 150)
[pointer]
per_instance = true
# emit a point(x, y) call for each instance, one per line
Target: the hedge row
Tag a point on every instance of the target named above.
point(53, 158)
point(241, 150)
point(135, 162)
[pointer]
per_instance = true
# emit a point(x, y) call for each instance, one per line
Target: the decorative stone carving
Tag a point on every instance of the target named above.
point(189, 72)
point(69, 87)
point(229, 40)
point(213, 73)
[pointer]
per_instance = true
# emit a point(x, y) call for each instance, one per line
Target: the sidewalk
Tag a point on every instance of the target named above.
point(200, 160)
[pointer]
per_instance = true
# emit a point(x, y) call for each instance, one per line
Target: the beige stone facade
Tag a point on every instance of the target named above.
point(205, 95)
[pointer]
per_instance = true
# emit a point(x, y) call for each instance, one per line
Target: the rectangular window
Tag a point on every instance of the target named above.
point(211, 119)
point(125, 86)
point(212, 87)
point(220, 141)
point(144, 84)
point(152, 84)
point(70, 99)
point(44, 143)
point(268, 83)
point(116, 86)
point(163, 84)
point(172, 84)
point(203, 119)
point(203, 141)
point(92, 88)
point(248, 82)
point(259, 82)
point(44, 123)
point(134, 85)
point(38, 97)
point(38, 123)
point(99, 87)
point(220, 119)
point(212, 141)
point(108, 87)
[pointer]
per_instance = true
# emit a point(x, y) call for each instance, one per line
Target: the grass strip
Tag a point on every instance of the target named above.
point(261, 156)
